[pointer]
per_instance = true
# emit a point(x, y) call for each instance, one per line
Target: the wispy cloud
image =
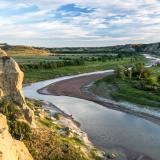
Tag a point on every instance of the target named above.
point(79, 23)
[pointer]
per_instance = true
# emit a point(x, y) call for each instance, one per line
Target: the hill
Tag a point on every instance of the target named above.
point(153, 48)
point(19, 50)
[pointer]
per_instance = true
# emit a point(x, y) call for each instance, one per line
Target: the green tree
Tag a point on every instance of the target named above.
point(152, 81)
point(129, 73)
point(140, 69)
point(20, 130)
point(146, 74)
point(121, 72)
point(158, 79)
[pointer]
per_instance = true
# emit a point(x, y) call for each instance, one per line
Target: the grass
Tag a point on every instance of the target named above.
point(18, 129)
point(45, 142)
point(119, 90)
point(34, 59)
point(48, 142)
point(24, 51)
point(35, 75)
point(57, 57)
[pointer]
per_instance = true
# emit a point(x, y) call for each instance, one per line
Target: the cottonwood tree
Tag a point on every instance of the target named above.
point(121, 72)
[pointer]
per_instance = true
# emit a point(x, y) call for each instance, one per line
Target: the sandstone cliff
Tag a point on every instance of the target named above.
point(11, 149)
point(11, 78)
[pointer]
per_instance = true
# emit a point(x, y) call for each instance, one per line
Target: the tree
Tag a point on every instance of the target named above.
point(158, 79)
point(145, 74)
point(140, 69)
point(152, 81)
point(121, 72)
point(129, 73)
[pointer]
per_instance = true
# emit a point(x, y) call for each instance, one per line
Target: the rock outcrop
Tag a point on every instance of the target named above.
point(11, 149)
point(11, 78)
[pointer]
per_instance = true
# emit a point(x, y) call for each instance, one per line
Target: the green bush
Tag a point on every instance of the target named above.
point(57, 116)
point(152, 81)
point(10, 110)
point(47, 122)
point(20, 130)
point(34, 104)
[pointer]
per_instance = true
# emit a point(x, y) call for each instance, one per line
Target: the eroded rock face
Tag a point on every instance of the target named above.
point(11, 149)
point(11, 78)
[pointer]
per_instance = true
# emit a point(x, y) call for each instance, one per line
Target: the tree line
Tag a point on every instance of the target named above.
point(70, 61)
point(52, 64)
point(104, 58)
point(140, 76)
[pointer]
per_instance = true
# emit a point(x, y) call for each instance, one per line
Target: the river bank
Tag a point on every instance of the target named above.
point(83, 110)
point(107, 128)
point(79, 87)
point(71, 128)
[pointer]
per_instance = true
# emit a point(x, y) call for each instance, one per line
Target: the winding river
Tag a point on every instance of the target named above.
point(107, 128)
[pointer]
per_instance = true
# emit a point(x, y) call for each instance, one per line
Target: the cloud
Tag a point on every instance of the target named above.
point(79, 23)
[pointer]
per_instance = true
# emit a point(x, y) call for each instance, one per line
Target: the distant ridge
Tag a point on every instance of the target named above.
point(152, 48)
point(20, 50)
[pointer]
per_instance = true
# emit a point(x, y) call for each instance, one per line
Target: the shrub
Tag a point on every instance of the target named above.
point(20, 130)
point(158, 79)
point(47, 122)
point(49, 145)
point(67, 130)
point(10, 110)
point(121, 72)
point(57, 116)
point(152, 81)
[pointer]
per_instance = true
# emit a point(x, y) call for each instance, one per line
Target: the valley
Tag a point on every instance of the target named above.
point(88, 114)
point(79, 80)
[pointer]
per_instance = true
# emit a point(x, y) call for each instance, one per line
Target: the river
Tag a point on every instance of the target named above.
point(107, 128)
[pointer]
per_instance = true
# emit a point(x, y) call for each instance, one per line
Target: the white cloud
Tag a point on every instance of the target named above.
point(111, 22)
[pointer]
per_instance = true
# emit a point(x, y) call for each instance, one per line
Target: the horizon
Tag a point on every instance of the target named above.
point(79, 24)
point(1, 43)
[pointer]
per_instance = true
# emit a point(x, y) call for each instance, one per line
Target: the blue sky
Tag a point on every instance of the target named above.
point(64, 23)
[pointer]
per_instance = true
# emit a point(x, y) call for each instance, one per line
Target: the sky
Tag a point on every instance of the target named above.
point(79, 23)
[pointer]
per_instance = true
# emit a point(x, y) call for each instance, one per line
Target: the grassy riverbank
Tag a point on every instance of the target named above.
point(58, 138)
point(125, 90)
point(33, 75)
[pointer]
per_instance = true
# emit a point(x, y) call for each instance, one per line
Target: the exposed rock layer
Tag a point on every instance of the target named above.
point(11, 78)
point(11, 149)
